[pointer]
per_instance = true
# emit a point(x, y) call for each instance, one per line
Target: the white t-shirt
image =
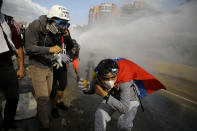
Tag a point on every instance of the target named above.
point(6, 28)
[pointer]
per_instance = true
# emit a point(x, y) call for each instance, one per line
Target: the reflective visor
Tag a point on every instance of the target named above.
point(59, 22)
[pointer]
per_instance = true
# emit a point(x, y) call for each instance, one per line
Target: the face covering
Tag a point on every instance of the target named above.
point(109, 84)
point(59, 27)
point(52, 28)
point(62, 25)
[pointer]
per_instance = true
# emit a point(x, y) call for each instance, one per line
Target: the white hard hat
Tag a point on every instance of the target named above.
point(58, 11)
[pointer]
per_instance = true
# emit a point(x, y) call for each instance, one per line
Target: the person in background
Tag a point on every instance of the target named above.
point(10, 45)
point(74, 55)
point(60, 76)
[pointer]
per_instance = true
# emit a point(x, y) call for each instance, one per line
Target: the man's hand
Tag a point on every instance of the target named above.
point(21, 73)
point(99, 91)
point(55, 49)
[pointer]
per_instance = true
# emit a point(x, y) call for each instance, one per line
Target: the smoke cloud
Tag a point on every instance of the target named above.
point(170, 36)
point(23, 10)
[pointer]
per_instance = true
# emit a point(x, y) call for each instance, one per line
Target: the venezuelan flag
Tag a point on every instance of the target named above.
point(145, 82)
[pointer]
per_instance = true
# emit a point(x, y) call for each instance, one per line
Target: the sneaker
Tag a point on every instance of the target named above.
point(55, 113)
point(62, 106)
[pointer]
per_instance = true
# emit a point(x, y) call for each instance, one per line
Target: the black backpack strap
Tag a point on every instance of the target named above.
point(10, 21)
point(138, 95)
point(11, 48)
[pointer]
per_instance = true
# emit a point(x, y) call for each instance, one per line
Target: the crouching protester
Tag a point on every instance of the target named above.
point(60, 74)
point(42, 47)
point(119, 82)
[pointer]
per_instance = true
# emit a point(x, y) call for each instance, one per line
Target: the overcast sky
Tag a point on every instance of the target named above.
point(29, 10)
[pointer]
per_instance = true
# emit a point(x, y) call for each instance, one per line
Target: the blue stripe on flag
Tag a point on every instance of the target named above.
point(141, 88)
point(118, 58)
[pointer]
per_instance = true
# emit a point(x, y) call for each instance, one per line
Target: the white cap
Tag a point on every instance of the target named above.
point(58, 12)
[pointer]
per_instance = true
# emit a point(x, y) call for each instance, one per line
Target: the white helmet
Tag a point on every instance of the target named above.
point(58, 12)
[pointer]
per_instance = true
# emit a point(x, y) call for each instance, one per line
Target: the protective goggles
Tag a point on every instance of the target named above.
point(113, 71)
point(58, 22)
point(63, 24)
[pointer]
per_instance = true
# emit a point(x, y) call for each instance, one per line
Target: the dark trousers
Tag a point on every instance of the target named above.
point(59, 80)
point(9, 86)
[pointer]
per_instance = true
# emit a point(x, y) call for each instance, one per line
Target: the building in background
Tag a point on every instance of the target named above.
point(103, 12)
point(135, 8)
point(93, 14)
point(108, 11)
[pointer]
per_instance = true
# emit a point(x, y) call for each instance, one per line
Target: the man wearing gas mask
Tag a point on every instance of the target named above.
point(43, 44)
point(121, 83)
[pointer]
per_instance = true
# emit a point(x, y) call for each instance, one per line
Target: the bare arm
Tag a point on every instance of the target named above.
point(75, 66)
point(21, 71)
point(77, 74)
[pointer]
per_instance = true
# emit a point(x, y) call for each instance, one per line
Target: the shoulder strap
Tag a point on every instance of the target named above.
point(10, 46)
point(10, 21)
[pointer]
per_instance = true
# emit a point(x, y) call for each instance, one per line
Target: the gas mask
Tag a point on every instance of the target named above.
point(62, 25)
point(59, 27)
point(52, 28)
point(109, 84)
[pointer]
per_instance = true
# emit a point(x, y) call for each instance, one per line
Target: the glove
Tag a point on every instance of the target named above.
point(65, 58)
point(84, 85)
point(57, 65)
point(57, 61)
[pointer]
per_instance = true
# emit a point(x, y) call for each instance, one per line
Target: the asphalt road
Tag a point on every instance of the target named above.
point(164, 110)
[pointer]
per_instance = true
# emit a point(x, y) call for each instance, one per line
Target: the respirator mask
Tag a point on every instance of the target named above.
point(109, 84)
point(58, 27)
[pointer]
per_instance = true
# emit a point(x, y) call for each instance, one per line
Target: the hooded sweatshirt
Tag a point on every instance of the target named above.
point(38, 41)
